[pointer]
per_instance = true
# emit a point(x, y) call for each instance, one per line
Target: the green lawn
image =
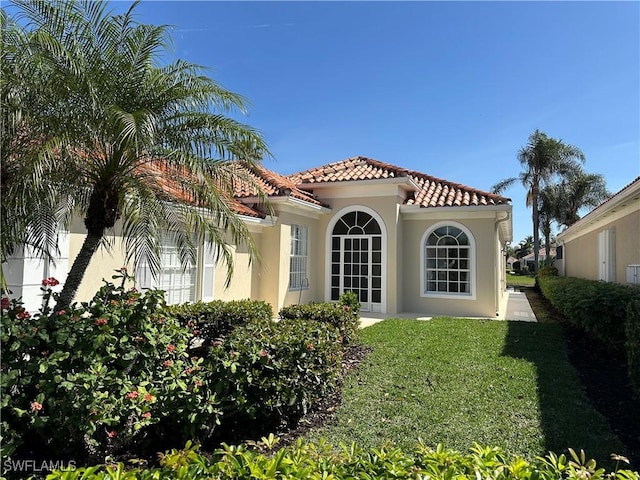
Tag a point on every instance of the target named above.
point(521, 280)
point(456, 381)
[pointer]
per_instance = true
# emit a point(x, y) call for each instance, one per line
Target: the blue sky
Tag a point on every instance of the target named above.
point(452, 89)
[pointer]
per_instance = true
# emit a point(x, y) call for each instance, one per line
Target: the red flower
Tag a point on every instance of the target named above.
point(23, 315)
point(133, 289)
point(61, 312)
point(148, 397)
point(346, 308)
point(167, 363)
point(5, 303)
point(112, 434)
point(101, 321)
point(131, 301)
point(310, 346)
point(132, 394)
point(188, 371)
point(217, 343)
point(146, 415)
point(170, 348)
point(197, 382)
point(123, 270)
point(263, 353)
point(36, 407)
point(50, 282)
point(196, 332)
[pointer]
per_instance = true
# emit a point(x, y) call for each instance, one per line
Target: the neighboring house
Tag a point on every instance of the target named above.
point(402, 240)
point(605, 243)
point(530, 261)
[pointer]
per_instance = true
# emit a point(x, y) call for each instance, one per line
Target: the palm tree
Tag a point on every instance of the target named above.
point(524, 247)
point(580, 190)
point(130, 140)
point(550, 206)
point(542, 159)
point(29, 216)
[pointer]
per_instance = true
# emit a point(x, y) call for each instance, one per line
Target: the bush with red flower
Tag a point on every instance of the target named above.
point(99, 377)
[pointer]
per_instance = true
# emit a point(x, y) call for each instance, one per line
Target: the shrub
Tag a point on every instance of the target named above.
point(271, 372)
point(599, 308)
point(212, 320)
point(320, 460)
point(548, 271)
point(633, 344)
point(99, 377)
point(344, 315)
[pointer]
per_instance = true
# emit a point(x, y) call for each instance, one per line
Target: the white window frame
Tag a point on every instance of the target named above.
point(471, 295)
point(197, 280)
point(299, 258)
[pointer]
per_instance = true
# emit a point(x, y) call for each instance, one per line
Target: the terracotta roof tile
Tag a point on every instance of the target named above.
point(272, 184)
point(163, 178)
point(432, 191)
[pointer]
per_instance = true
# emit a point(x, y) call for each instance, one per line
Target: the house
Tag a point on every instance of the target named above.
point(402, 240)
point(605, 243)
point(530, 261)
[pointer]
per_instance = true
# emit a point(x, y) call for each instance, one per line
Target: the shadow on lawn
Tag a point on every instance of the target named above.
point(566, 415)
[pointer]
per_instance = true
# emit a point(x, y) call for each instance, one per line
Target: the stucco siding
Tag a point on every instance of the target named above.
point(387, 208)
point(484, 271)
point(580, 254)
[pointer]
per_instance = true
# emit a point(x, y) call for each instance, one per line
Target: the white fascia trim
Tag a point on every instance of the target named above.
point(299, 204)
point(402, 181)
point(416, 212)
point(269, 221)
point(613, 209)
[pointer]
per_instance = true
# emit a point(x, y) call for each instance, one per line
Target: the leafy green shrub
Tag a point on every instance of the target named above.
point(212, 320)
point(99, 377)
point(599, 308)
point(344, 315)
point(271, 372)
point(633, 344)
point(320, 460)
point(547, 271)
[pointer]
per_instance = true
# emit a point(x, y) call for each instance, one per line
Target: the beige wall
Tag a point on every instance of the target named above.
point(387, 208)
point(484, 304)
point(244, 282)
point(103, 263)
point(580, 254)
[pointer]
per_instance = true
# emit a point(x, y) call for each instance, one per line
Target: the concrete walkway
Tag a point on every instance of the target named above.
point(518, 309)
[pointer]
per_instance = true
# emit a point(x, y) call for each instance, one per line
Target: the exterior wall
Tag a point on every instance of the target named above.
point(485, 270)
point(244, 282)
point(580, 254)
point(384, 202)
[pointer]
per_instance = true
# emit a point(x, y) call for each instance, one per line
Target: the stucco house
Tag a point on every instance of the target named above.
point(605, 243)
point(402, 240)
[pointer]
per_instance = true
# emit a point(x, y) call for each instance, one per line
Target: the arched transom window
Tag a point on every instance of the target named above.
point(448, 262)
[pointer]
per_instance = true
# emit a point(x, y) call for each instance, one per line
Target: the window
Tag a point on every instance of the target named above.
point(298, 278)
point(448, 262)
point(180, 283)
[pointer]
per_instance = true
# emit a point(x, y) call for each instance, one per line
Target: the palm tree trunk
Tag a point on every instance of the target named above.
point(78, 269)
point(547, 249)
point(536, 231)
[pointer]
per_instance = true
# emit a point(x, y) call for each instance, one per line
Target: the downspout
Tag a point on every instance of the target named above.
point(500, 284)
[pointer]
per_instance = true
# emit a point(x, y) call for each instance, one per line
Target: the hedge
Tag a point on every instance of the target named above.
point(212, 320)
point(322, 461)
point(344, 315)
point(599, 308)
point(608, 312)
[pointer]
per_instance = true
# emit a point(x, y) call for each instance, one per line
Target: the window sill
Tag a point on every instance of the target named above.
point(451, 296)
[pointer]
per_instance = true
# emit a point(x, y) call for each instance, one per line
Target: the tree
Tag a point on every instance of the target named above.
point(127, 139)
point(542, 159)
point(551, 204)
point(580, 190)
point(524, 247)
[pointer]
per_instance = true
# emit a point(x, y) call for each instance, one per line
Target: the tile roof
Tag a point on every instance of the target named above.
point(271, 183)
point(163, 177)
point(432, 191)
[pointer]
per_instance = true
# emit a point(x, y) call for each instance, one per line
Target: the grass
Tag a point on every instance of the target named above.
point(521, 280)
point(457, 381)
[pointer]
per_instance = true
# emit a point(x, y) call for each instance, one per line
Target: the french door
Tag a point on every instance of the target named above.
point(357, 267)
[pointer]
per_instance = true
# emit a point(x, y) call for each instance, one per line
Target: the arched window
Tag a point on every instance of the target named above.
point(448, 261)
